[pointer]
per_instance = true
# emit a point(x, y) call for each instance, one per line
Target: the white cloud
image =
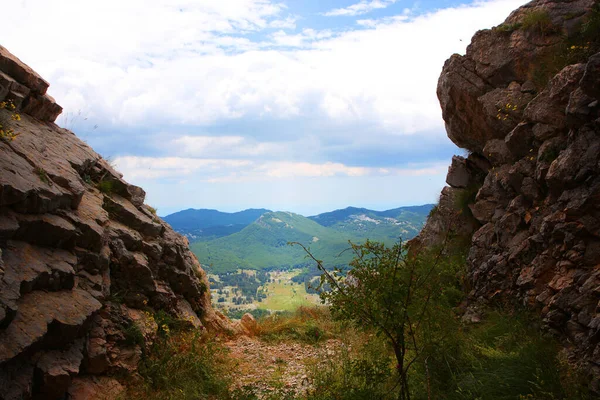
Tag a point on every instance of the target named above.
point(359, 8)
point(146, 63)
point(224, 146)
point(232, 170)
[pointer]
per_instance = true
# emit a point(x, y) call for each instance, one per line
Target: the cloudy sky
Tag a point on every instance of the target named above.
point(298, 105)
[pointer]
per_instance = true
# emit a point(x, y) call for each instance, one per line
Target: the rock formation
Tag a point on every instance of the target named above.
point(524, 101)
point(81, 257)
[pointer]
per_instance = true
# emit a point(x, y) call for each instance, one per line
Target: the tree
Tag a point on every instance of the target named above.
point(404, 296)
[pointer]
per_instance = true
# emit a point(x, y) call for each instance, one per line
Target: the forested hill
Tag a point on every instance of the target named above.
point(263, 243)
point(206, 224)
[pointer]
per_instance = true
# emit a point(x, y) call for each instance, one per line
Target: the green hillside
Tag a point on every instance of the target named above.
point(206, 224)
point(386, 226)
point(263, 244)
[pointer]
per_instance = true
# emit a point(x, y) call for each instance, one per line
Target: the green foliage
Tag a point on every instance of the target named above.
point(464, 198)
point(106, 186)
point(569, 50)
point(538, 21)
point(504, 357)
point(43, 175)
point(168, 324)
point(406, 298)
point(183, 366)
point(508, 28)
point(364, 375)
point(263, 244)
point(307, 324)
point(133, 335)
point(151, 209)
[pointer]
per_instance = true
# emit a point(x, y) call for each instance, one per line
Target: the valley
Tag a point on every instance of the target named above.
point(261, 293)
point(253, 267)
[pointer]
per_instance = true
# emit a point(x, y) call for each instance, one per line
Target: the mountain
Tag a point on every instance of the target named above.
point(404, 222)
point(205, 224)
point(263, 243)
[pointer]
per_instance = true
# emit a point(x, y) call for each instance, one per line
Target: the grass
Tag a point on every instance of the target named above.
point(43, 175)
point(152, 210)
point(506, 356)
point(464, 198)
point(306, 324)
point(285, 295)
point(133, 335)
point(105, 186)
point(538, 21)
point(570, 50)
point(186, 365)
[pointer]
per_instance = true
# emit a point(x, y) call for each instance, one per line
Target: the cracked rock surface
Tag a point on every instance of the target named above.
point(78, 264)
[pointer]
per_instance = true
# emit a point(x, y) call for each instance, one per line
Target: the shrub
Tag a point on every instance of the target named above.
point(362, 369)
point(105, 186)
point(401, 295)
point(506, 356)
point(508, 28)
point(570, 50)
point(306, 324)
point(464, 198)
point(538, 21)
point(183, 366)
point(133, 335)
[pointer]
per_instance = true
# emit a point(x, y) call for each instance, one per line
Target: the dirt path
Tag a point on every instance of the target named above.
point(264, 367)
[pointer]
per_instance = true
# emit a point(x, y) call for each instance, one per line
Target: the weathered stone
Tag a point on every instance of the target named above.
point(46, 230)
point(459, 175)
point(186, 313)
point(131, 239)
point(56, 368)
point(22, 189)
point(95, 388)
point(65, 312)
point(497, 152)
point(65, 247)
point(520, 140)
point(590, 82)
point(540, 245)
point(125, 212)
point(21, 72)
point(248, 322)
point(549, 106)
point(8, 226)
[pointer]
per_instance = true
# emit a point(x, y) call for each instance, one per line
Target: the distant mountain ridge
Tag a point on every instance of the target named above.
point(263, 243)
point(207, 224)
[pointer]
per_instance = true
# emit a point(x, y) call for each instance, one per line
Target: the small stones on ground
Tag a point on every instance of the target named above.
point(263, 368)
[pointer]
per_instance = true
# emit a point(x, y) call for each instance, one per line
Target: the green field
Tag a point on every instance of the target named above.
point(285, 295)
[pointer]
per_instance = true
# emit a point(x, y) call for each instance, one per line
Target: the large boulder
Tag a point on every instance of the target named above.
point(525, 97)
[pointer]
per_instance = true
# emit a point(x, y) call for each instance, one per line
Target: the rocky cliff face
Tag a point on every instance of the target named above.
point(82, 257)
point(524, 101)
